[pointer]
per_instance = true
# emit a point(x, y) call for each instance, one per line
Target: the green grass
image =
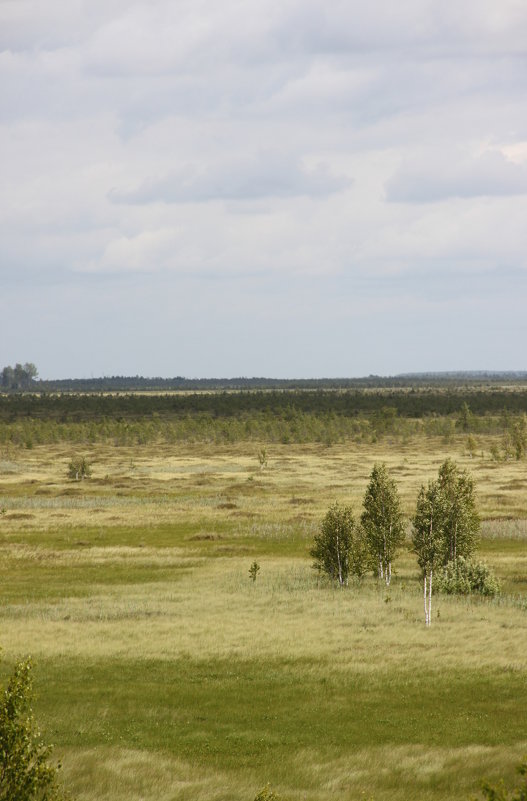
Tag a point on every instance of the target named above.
point(258, 715)
point(164, 674)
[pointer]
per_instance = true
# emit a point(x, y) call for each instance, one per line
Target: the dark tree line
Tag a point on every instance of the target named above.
point(382, 407)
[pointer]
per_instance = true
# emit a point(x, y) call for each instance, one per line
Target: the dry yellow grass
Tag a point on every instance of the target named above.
point(150, 486)
point(80, 595)
point(214, 611)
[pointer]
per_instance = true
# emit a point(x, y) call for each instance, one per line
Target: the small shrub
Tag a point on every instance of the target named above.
point(472, 446)
point(79, 468)
point(25, 771)
point(493, 792)
point(254, 570)
point(465, 577)
point(495, 454)
point(267, 795)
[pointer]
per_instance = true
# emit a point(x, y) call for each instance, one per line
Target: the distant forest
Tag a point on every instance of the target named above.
point(210, 410)
point(380, 403)
point(24, 377)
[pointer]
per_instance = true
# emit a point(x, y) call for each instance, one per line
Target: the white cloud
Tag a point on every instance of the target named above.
point(438, 176)
point(268, 175)
point(202, 144)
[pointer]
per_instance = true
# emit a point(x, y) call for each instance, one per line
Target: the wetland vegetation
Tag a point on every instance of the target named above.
point(164, 670)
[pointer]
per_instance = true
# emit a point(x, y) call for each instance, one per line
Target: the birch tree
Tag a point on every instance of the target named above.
point(428, 538)
point(382, 520)
point(333, 546)
point(460, 518)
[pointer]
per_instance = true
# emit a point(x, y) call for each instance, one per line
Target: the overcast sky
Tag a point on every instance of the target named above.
point(286, 188)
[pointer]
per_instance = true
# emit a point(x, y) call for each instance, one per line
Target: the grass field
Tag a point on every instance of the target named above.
point(163, 672)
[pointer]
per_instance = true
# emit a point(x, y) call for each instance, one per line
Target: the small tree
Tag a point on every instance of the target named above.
point(262, 458)
point(79, 468)
point(428, 538)
point(382, 520)
point(254, 570)
point(460, 518)
point(339, 548)
point(25, 772)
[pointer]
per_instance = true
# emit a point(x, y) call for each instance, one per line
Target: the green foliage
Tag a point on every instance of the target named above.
point(267, 795)
point(254, 570)
point(446, 522)
point(262, 458)
point(493, 792)
point(460, 520)
point(382, 520)
point(25, 773)
point(465, 417)
point(495, 454)
point(428, 540)
point(466, 577)
point(515, 439)
point(340, 547)
point(292, 415)
point(79, 468)
point(472, 446)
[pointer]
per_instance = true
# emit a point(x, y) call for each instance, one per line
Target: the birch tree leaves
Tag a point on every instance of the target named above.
point(342, 547)
point(445, 525)
point(339, 548)
point(382, 520)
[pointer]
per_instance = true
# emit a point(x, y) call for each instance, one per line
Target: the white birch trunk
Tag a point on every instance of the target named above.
point(426, 604)
point(430, 600)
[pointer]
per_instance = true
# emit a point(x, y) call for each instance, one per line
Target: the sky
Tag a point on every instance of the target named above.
point(281, 188)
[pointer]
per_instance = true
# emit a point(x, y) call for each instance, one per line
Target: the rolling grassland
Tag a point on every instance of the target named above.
point(164, 673)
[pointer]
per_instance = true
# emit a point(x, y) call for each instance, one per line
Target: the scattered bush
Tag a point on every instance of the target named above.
point(254, 570)
point(79, 468)
point(262, 458)
point(466, 577)
point(267, 795)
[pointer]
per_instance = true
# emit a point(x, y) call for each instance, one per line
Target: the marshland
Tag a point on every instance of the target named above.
point(164, 671)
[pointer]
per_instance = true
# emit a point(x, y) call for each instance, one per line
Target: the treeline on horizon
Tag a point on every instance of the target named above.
point(24, 377)
point(293, 416)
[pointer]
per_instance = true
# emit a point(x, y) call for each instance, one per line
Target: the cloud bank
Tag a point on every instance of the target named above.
point(316, 175)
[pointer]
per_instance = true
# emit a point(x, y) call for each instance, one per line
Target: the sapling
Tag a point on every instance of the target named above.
point(25, 771)
point(79, 468)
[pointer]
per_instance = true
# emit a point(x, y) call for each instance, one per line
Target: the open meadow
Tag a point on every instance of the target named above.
point(164, 673)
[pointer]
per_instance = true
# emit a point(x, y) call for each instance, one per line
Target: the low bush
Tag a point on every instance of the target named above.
point(466, 577)
point(79, 468)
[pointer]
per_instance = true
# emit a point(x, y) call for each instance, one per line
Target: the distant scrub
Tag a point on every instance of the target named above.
point(275, 417)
